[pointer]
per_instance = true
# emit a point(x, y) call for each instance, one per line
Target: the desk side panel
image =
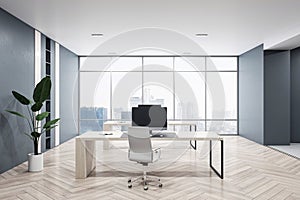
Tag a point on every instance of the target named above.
point(85, 158)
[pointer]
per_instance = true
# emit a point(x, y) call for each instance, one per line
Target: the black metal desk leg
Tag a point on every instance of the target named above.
point(210, 154)
point(222, 159)
point(193, 146)
point(195, 142)
point(221, 175)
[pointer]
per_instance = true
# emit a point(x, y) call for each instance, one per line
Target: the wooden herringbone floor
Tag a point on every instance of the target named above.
point(252, 171)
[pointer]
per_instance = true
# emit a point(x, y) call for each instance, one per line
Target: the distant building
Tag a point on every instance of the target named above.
point(101, 113)
point(126, 115)
point(148, 99)
point(186, 110)
point(157, 101)
point(135, 101)
point(92, 118)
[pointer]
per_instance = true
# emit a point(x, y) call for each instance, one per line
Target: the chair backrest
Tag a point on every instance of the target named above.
point(139, 140)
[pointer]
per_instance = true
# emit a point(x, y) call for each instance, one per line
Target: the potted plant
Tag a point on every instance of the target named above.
point(35, 118)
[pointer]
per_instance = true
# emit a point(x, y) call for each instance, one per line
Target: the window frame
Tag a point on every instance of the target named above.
point(205, 71)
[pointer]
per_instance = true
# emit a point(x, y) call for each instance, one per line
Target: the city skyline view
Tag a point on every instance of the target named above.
point(212, 93)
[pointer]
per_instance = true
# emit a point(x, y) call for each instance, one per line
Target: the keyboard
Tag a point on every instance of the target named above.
point(167, 134)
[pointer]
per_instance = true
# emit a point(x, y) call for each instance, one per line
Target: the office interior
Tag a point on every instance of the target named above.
point(227, 68)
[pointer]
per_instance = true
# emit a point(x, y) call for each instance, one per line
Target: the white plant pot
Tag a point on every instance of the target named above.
point(35, 162)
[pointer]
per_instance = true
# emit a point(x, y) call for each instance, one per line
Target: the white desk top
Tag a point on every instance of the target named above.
point(128, 123)
point(118, 123)
point(116, 135)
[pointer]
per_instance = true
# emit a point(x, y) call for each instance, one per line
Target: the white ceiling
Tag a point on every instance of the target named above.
point(234, 26)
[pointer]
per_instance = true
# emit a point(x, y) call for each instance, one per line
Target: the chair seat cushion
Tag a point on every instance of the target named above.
point(140, 157)
point(149, 157)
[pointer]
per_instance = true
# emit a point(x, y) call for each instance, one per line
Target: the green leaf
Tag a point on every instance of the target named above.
point(42, 116)
point(29, 136)
point(23, 100)
point(42, 90)
point(50, 123)
point(36, 107)
point(35, 135)
point(16, 113)
point(51, 127)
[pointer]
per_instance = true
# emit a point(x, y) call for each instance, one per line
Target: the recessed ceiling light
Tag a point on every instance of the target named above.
point(97, 34)
point(201, 35)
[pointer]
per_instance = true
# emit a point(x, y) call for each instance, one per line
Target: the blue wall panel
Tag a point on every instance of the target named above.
point(277, 98)
point(68, 94)
point(295, 95)
point(16, 73)
point(251, 94)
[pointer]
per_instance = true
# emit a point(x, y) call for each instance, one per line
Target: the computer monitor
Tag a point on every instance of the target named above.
point(152, 116)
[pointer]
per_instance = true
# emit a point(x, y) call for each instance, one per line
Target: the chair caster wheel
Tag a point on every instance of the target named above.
point(145, 187)
point(129, 181)
point(160, 185)
point(130, 186)
point(159, 179)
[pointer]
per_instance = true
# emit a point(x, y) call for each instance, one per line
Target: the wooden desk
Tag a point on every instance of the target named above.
point(85, 159)
point(108, 126)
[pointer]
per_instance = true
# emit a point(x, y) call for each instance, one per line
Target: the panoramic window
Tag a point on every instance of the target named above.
point(198, 89)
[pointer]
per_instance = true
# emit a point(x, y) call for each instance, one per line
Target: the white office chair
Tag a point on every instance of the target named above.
point(140, 151)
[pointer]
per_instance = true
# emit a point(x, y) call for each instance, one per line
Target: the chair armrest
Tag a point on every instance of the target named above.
point(156, 154)
point(156, 150)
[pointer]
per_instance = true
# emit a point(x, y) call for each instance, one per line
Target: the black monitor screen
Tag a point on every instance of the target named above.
point(153, 116)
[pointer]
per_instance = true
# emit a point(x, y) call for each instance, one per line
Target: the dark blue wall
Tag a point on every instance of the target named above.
point(295, 95)
point(16, 73)
point(251, 94)
point(68, 94)
point(277, 97)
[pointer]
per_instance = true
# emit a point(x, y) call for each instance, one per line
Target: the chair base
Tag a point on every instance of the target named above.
point(145, 180)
